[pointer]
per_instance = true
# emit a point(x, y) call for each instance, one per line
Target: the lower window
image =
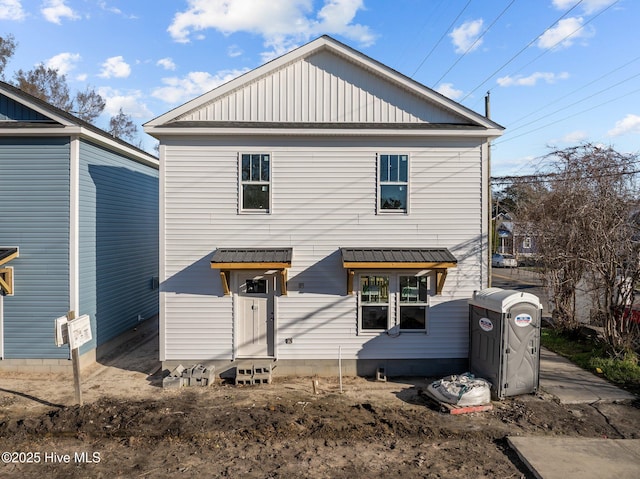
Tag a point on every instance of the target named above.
point(399, 300)
point(374, 298)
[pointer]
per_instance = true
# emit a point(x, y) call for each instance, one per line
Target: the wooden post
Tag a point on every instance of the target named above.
point(75, 359)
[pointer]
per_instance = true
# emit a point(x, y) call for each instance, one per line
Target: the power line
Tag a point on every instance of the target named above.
point(604, 90)
point(555, 101)
point(499, 142)
point(475, 42)
point(552, 47)
point(441, 38)
point(520, 51)
point(530, 179)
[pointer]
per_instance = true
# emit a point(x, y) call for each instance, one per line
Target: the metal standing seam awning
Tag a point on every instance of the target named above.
point(437, 259)
point(229, 259)
point(6, 273)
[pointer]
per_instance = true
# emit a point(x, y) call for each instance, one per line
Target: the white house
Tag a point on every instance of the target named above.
point(322, 205)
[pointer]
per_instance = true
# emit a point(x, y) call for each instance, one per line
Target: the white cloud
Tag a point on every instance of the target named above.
point(166, 63)
point(115, 67)
point(282, 24)
point(532, 79)
point(573, 138)
point(11, 10)
point(466, 34)
point(115, 10)
point(178, 90)
point(588, 6)
point(63, 62)
point(629, 124)
point(234, 51)
point(447, 90)
point(55, 10)
point(565, 33)
point(130, 102)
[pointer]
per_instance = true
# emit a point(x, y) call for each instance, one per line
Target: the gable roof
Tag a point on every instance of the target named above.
point(322, 85)
point(22, 114)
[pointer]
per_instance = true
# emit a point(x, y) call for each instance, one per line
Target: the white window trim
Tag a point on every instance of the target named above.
point(426, 304)
point(393, 316)
point(360, 304)
point(379, 209)
point(241, 208)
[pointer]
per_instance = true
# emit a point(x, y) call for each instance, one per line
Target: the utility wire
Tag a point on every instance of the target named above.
point(569, 116)
point(552, 47)
point(475, 42)
point(557, 100)
point(531, 179)
point(604, 90)
point(520, 51)
point(441, 38)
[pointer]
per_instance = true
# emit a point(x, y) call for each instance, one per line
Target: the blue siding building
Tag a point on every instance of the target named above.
point(80, 209)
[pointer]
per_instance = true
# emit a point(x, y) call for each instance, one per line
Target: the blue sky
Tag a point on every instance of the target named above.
point(560, 72)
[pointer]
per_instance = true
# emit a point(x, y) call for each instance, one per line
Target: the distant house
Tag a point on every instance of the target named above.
point(514, 237)
point(78, 232)
point(321, 206)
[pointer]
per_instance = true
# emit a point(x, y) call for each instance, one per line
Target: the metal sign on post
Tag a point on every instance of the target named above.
point(79, 331)
point(61, 331)
point(75, 332)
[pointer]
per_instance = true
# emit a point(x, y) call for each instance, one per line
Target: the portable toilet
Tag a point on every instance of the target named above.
point(504, 342)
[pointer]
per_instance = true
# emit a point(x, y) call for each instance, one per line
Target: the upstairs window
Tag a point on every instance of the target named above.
point(255, 182)
point(393, 183)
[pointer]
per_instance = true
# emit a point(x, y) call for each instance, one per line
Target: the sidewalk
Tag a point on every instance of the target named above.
point(578, 458)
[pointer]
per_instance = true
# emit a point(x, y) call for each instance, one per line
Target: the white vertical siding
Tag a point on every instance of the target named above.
point(324, 198)
point(323, 87)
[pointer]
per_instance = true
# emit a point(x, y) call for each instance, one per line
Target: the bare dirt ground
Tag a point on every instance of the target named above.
point(284, 430)
point(130, 427)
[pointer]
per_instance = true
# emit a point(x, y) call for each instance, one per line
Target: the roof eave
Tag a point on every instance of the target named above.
point(159, 132)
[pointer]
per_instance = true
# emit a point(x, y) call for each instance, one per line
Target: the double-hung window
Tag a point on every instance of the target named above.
point(393, 300)
point(413, 303)
point(255, 182)
point(374, 300)
point(393, 183)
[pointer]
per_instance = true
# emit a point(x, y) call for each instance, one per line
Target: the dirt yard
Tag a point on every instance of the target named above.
point(130, 427)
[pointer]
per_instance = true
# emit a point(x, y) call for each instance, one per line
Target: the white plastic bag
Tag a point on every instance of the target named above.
point(461, 390)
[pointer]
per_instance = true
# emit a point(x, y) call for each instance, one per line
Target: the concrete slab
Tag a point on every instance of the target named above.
point(579, 458)
point(573, 385)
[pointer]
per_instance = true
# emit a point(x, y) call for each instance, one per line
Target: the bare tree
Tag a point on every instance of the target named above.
point(7, 49)
point(121, 126)
point(88, 105)
point(46, 84)
point(587, 218)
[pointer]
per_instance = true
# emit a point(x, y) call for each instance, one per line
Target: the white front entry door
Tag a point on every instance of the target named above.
point(255, 318)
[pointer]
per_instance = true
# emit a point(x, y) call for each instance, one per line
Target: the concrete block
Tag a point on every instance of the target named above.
point(172, 382)
point(262, 369)
point(177, 371)
point(198, 371)
point(195, 381)
point(209, 375)
point(262, 379)
point(244, 370)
